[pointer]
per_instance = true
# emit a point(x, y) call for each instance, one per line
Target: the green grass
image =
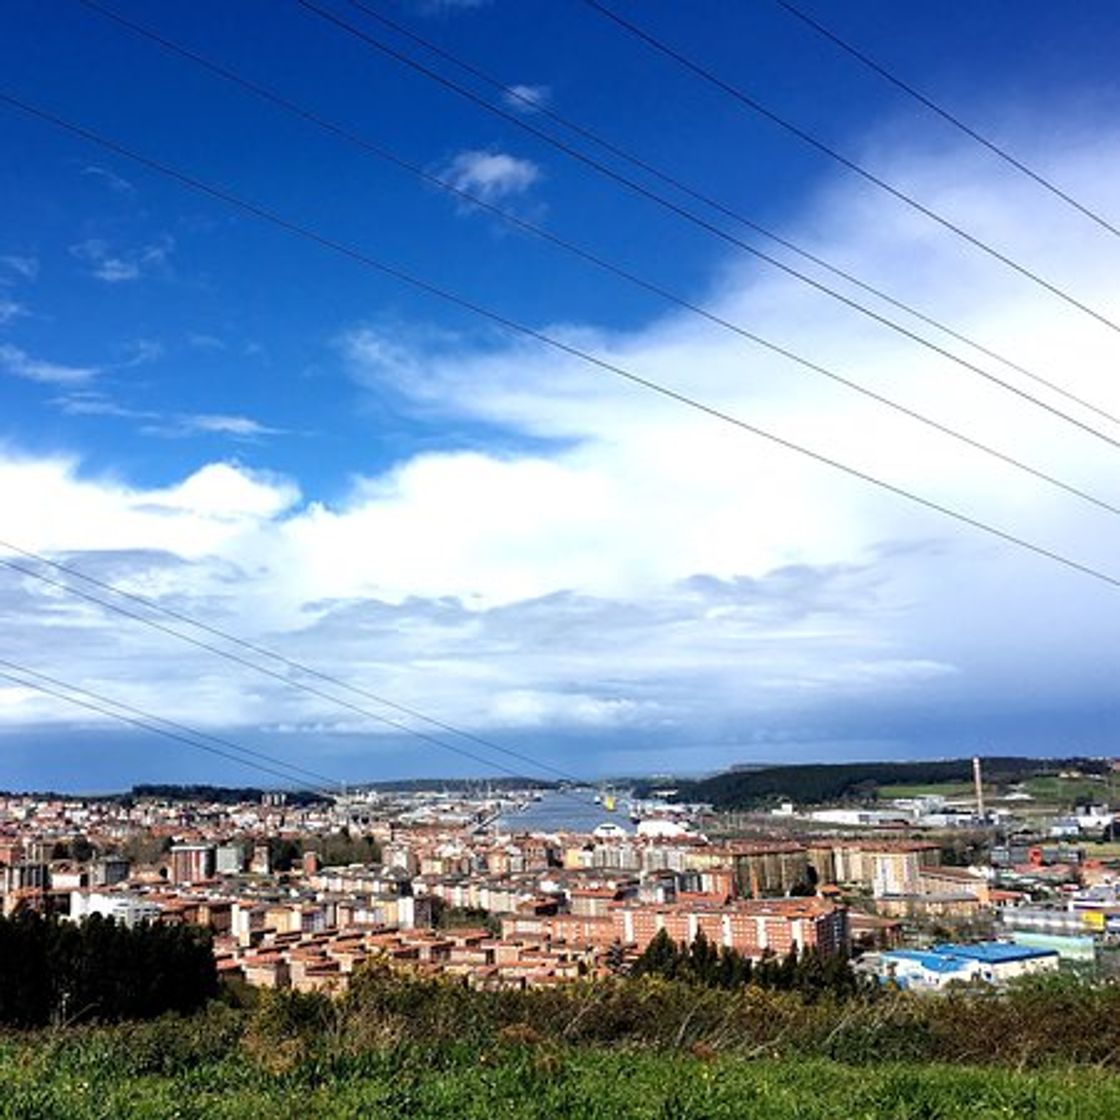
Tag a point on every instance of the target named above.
point(652, 1049)
point(1048, 790)
point(537, 1082)
point(1066, 792)
point(952, 790)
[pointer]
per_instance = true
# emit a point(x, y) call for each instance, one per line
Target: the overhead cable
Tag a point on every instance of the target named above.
point(323, 781)
point(138, 718)
point(516, 96)
point(681, 211)
point(264, 651)
point(973, 134)
point(467, 304)
point(593, 258)
point(757, 107)
point(283, 678)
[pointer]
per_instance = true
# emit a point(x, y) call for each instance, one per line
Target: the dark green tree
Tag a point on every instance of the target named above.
point(661, 957)
point(53, 971)
point(702, 961)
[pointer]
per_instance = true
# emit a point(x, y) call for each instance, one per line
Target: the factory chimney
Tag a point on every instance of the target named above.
point(979, 783)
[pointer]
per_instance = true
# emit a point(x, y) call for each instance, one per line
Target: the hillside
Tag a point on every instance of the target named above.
point(817, 783)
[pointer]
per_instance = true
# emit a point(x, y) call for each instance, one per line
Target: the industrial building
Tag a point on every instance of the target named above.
point(986, 962)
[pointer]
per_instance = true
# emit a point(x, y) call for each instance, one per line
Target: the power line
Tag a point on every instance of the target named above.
point(147, 722)
point(116, 608)
point(554, 343)
point(217, 739)
point(695, 219)
point(512, 93)
point(870, 176)
point(524, 225)
point(946, 115)
point(265, 652)
point(261, 651)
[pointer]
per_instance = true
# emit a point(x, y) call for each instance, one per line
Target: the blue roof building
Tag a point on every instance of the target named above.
point(988, 962)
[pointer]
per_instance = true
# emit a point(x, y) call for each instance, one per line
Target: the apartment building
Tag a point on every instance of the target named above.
point(749, 926)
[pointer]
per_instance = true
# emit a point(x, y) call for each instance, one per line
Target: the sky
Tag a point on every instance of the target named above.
point(277, 439)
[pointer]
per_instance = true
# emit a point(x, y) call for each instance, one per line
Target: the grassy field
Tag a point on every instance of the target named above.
point(1048, 790)
point(951, 790)
point(43, 1081)
point(401, 1046)
point(1066, 791)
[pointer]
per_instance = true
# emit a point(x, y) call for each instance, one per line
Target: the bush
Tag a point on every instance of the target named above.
point(61, 972)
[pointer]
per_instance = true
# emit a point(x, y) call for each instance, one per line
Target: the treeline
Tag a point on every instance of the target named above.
point(809, 972)
point(814, 783)
point(55, 972)
point(1039, 1020)
point(334, 851)
point(1054, 1018)
point(464, 917)
point(221, 795)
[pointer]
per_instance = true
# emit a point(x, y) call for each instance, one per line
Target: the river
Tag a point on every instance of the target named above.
point(568, 811)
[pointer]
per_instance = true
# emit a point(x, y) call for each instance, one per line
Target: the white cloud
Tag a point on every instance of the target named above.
point(110, 179)
point(18, 363)
point(85, 402)
point(50, 505)
point(90, 403)
point(242, 427)
point(527, 708)
point(113, 270)
point(115, 266)
point(201, 341)
point(394, 354)
point(491, 176)
point(10, 309)
point(527, 99)
point(646, 570)
point(25, 267)
point(141, 351)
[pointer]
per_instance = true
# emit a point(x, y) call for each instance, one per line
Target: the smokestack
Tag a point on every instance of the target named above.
point(978, 780)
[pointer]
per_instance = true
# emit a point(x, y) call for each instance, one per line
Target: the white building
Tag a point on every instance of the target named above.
point(123, 906)
point(987, 962)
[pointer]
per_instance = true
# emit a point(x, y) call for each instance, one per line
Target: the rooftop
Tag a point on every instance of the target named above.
point(950, 957)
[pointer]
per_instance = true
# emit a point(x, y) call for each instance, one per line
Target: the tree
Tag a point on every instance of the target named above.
point(283, 853)
point(61, 972)
point(734, 970)
point(702, 961)
point(661, 957)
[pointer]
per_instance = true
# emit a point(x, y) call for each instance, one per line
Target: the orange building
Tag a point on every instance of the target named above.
point(751, 926)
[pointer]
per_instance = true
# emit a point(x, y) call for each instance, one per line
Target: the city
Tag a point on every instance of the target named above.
point(461, 884)
point(559, 560)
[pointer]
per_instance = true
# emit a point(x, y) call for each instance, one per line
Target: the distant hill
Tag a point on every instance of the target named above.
point(222, 795)
point(473, 786)
point(816, 783)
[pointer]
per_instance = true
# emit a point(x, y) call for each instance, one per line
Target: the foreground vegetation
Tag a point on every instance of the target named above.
point(94, 1078)
point(650, 1047)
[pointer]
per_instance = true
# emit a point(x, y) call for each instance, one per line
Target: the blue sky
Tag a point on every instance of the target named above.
point(251, 429)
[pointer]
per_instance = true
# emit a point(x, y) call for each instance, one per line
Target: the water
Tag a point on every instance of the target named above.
point(572, 811)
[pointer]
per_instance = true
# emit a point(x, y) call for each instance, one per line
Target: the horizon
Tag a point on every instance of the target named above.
point(480, 546)
point(509, 781)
